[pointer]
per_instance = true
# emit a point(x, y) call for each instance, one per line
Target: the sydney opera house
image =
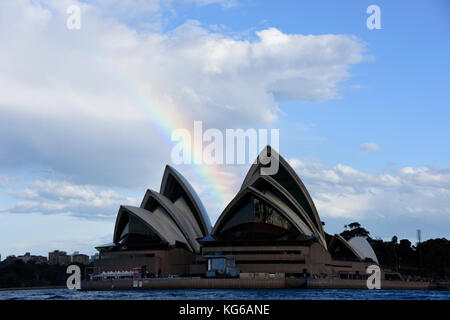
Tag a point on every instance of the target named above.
point(271, 226)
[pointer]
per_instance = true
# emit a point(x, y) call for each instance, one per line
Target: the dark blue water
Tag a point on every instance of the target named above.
point(211, 294)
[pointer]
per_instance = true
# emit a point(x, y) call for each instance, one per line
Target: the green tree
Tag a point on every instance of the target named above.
point(354, 229)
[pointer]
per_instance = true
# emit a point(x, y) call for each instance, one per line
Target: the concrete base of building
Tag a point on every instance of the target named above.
point(193, 283)
point(331, 283)
point(282, 283)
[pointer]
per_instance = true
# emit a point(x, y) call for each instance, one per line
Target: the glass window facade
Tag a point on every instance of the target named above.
point(263, 186)
point(134, 234)
point(254, 219)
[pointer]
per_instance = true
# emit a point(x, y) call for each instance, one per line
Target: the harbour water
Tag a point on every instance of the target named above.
point(210, 294)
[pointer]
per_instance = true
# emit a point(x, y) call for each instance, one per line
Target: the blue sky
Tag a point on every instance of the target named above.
point(74, 144)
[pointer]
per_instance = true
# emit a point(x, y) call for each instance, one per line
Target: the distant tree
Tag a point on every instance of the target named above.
point(354, 225)
point(385, 252)
point(405, 243)
point(19, 274)
point(429, 259)
point(354, 229)
point(436, 257)
point(394, 244)
point(406, 253)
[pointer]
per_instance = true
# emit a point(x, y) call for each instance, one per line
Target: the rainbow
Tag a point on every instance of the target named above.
point(162, 123)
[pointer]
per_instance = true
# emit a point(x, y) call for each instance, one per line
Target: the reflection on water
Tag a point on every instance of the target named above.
point(211, 294)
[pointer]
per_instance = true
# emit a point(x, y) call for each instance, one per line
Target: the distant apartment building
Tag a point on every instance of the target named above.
point(95, 257)
point(10, 258)
point(58, 257)
point(80, 258)
point(27, 257)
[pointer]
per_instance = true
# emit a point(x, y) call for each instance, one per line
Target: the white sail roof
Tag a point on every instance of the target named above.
point(361, 245)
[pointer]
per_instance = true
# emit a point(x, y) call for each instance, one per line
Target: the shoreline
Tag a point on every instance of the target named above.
point(175, 284)
point(282, 283)
point(33, 288)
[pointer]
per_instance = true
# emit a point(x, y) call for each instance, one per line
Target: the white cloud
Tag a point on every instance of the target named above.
point(369, 146)
point(145, 15)
point(338, 192)
point(61, 197)
point(57, 197)
point(92, 104)
point(343, 191)
point(222, 3)
point(96, 105)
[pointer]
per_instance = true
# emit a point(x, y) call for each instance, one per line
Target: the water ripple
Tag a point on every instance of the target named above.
point(212, 294)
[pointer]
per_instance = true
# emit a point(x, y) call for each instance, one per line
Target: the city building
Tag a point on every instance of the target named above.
point(94, 257)
point(59, 257)
point(10, 258)
point(271, 226)
point(80, 258)
point(27, 257)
